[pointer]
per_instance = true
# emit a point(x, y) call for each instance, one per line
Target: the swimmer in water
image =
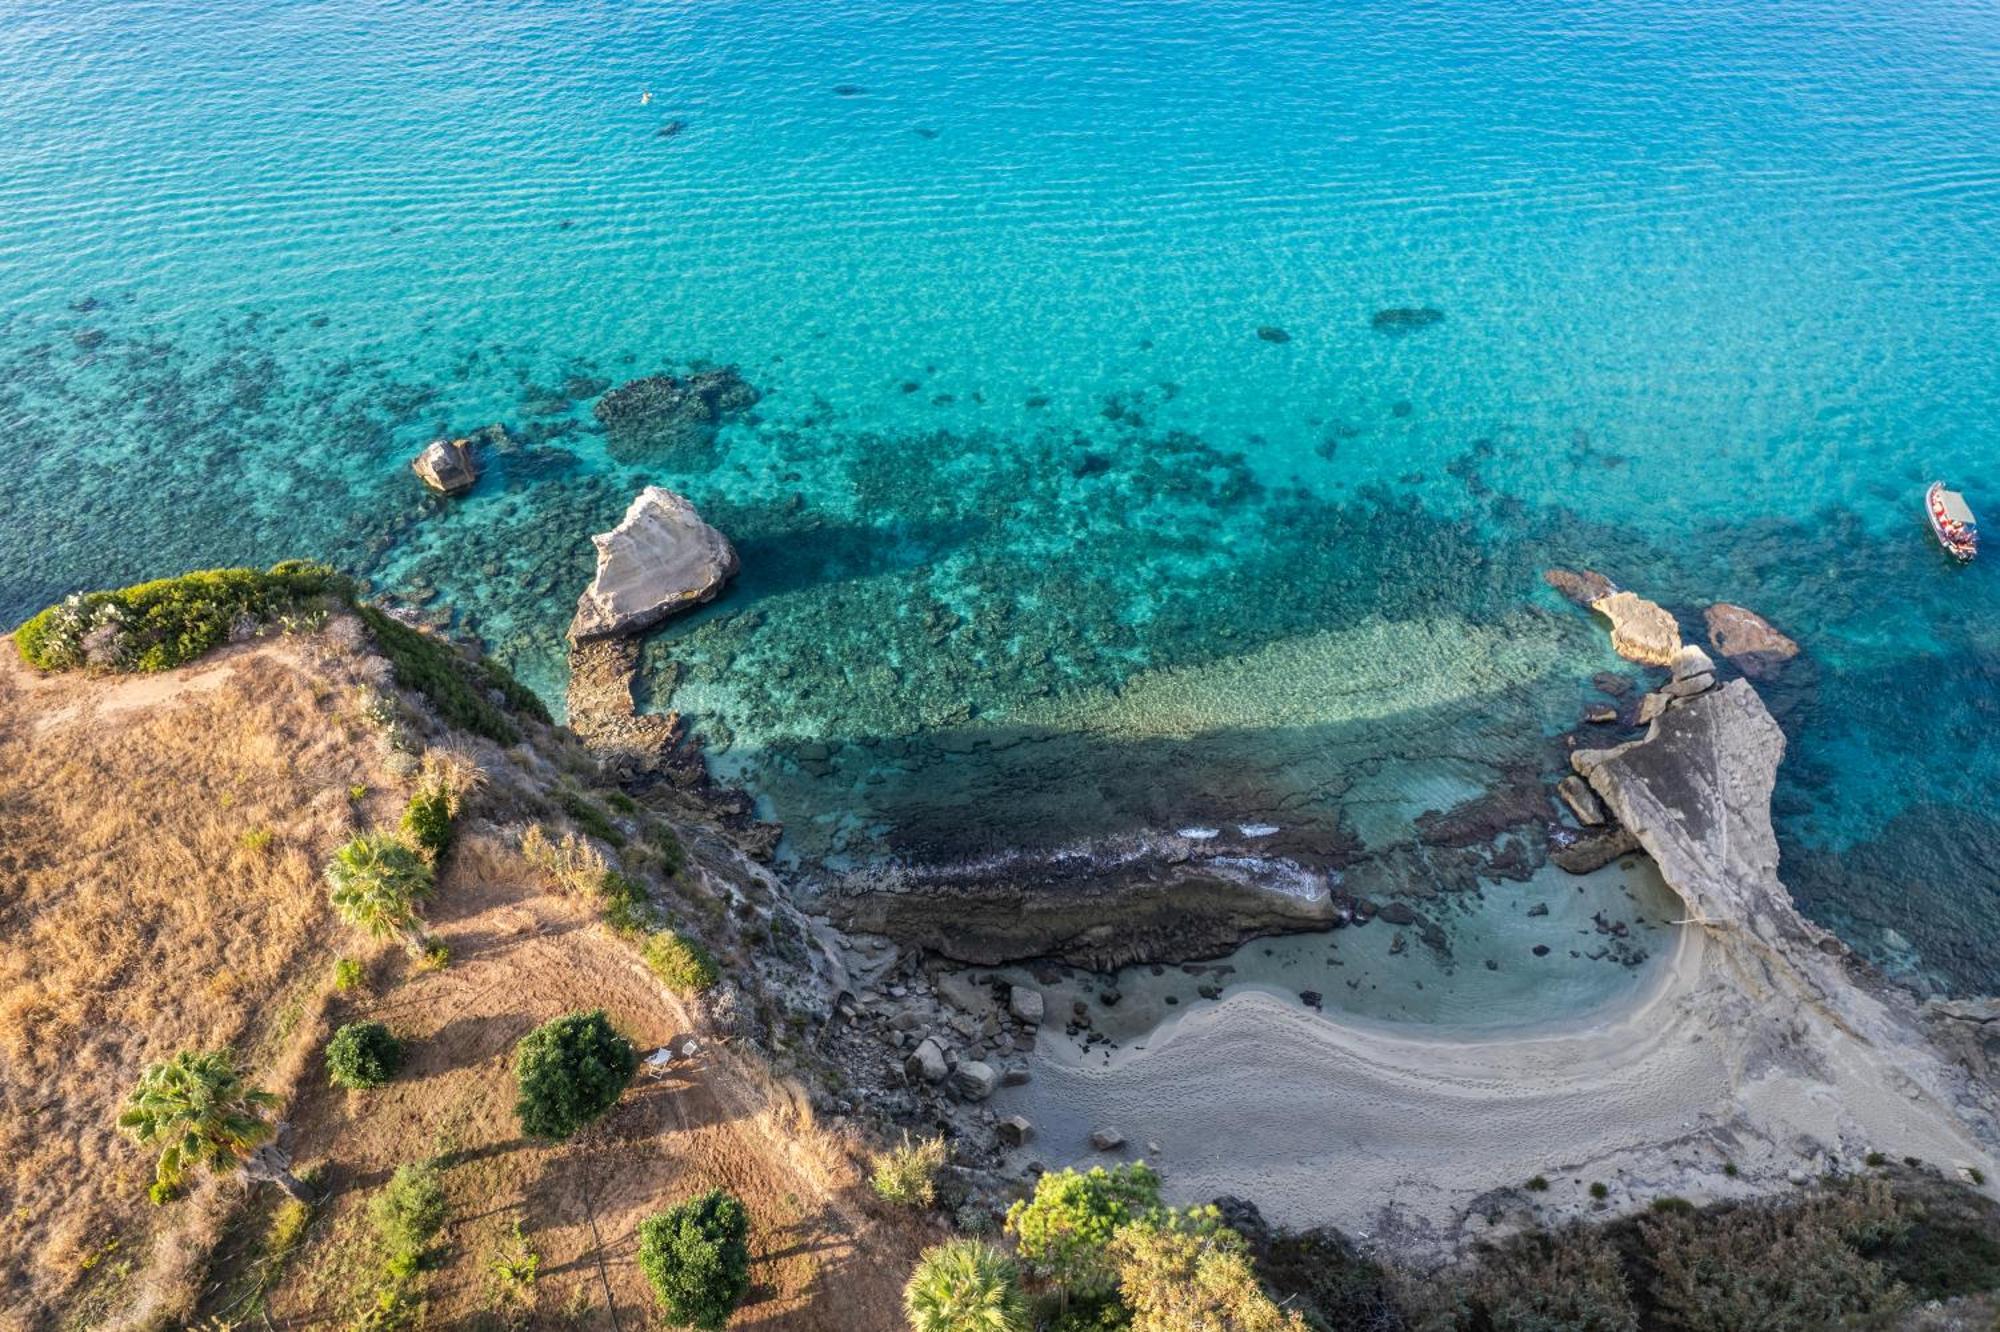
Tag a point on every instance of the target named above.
point(645, 98)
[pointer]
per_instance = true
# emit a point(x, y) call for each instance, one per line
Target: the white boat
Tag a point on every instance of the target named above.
point(1951, 521)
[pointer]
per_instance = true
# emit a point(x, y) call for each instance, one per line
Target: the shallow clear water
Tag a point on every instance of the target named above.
point(1042, 540)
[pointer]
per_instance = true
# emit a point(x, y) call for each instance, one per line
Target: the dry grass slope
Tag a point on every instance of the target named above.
point(160, 846)
point(160, 841)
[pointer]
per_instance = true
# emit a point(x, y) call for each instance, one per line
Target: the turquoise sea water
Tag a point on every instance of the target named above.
point(1044, 544)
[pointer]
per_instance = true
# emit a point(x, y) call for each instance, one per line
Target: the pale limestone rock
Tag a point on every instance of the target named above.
point(660, 560)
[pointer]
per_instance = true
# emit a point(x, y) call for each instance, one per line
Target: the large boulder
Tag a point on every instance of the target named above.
point(446, 466)
point(1747, 639)
point(660, 560)
point(1641, 630)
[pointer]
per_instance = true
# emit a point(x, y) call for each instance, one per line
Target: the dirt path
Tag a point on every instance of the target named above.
point(827, 1257)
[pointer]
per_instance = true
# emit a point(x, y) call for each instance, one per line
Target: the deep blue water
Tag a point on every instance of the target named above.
point(1043, 542)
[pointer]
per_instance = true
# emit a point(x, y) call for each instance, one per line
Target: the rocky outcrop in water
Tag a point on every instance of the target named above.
point(1641, 630)
point(661, 417)
point(1583, 589)
point(446, 466)
point(660, 560)
point(1749, 640)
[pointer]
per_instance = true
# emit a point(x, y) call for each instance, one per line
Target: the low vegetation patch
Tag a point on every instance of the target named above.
point(455, 684)
point(169, 622)
point(681, 963)
point(907, 1174)
point(697, 1259)
point(409, 1212)
point(363, 1055)
point(570, 1071)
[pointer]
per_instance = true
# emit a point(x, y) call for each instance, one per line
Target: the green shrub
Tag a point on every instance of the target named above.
point(427, 820)
point(588, 817)
point(1566, 1281)
point(907, 1175)
point(1180, 1271)
point(1797, 1268)
point(256, 841)
point(1064, 1232)
point(673, 856)
point(375, 883)
point(570, 1071)
point(965, 1285)
point(621, 802)
point(681, 963)
point(1599, 1190)
point(409, 1211)
point(435, 957)
point(1539, 1184)
point(626, 907)
point(1670, 1203)
point(169, 622)
point(347, 974)
point(455, 684)
point(363, 1055)
point(697, 1258)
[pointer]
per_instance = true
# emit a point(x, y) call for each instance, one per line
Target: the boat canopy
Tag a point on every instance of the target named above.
point(1954, 508)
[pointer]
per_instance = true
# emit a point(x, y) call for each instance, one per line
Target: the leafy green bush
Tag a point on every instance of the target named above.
point(454, 683)
point(410, 1210)
point(1064, 1232)
point(673, 856)
point(965, 1285)
point(363, 1055)
point(681, 963)
point(1185, 1270)
point(169, 622)
point(375, 883)
point(697, 1258)
point(626, 907)
point(907, 1175)
point(427, 820)
point(587, 816)
point(347, 974)
point(570, 1071)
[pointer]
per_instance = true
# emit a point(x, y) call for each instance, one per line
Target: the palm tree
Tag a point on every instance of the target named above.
point(965, 1285)
point(376, 882)
point(198, 1111)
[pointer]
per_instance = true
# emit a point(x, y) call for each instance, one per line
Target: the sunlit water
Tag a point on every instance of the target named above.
point(1043, 541)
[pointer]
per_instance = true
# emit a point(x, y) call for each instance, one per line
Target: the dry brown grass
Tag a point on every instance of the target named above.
point(160, 842)
point(827, 1256)
point(142, 909)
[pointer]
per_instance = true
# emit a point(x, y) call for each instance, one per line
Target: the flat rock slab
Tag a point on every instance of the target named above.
point(660, 560)
point(1641, 630)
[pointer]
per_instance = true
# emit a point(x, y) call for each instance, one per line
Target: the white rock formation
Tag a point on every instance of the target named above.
point(660, 560)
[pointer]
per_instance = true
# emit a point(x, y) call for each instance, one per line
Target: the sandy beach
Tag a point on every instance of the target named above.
point(1754, 1060)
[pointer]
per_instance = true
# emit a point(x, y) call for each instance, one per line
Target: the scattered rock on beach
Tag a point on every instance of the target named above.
point(661, 559)
point(974, 1080)
point(1025, 1004)
point(1748, 639)
point(1106, 1139)
point(1015, 1131)
point(927, 1061)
